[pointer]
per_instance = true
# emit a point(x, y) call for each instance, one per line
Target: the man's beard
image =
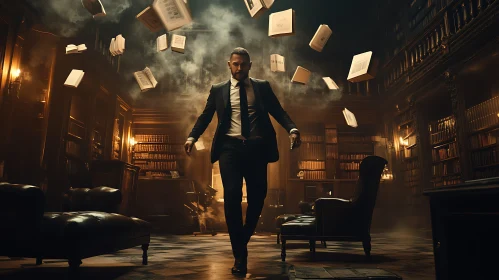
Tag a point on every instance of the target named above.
point(240, 76)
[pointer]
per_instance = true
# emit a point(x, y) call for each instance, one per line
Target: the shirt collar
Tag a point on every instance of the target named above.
point(234, 82)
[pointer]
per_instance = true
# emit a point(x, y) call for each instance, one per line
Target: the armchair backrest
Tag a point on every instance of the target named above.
point(21, 213)
point(366, 190)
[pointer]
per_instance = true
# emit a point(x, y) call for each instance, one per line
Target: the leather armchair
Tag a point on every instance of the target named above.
point(27, 231)
point(338, 219)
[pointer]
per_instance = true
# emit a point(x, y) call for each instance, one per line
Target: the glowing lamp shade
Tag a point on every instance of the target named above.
point(16, 73)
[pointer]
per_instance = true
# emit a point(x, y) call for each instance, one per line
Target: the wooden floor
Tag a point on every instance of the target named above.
point(210, 257)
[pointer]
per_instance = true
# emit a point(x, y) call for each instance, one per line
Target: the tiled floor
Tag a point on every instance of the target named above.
point(210, 258)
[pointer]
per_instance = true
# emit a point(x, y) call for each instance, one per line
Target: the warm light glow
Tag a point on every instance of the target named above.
point(403, 142)
point(16, 73)
point(131, 141)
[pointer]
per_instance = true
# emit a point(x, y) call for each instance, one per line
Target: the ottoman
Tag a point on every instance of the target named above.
point(281, 219)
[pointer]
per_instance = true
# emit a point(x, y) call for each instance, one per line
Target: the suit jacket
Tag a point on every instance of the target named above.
point(267, 103)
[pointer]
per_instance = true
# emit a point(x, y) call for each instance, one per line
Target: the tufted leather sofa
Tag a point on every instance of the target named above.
point(338, 219)
point(88, 227)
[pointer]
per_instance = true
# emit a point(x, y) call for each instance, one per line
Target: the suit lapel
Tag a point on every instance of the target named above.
point(256, 91)
point(226, 93)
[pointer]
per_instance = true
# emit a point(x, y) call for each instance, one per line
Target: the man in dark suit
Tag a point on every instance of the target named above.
point(244, 143)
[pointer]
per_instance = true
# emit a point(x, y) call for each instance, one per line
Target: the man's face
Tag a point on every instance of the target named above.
point(239, 66)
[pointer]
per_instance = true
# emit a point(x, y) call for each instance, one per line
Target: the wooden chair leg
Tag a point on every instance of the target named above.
point(324, 243)
point(74, 268)
point(144, 253)
point(366, 243)
point(278, 238)
point(283, 249)
point(39, 260)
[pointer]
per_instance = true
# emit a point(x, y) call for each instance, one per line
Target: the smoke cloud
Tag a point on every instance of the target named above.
point(67, 17)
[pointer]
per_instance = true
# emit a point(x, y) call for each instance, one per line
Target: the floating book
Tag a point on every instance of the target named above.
point(363, 67)
point(161, 43)
point(172, 13)
point(145, 79)
point(75, 49)
point(178, 43)
point(257, 7)
point(199, 145)
point(330, 83)
point(320, 38)
point(150, 19)
point(74, 78)
point(94, 7)
point(117, 45)
point(350, 118)
point(277, 63)
point(301, 75)
point(282, 23)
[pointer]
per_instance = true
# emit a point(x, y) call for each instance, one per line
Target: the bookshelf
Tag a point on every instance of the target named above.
point(483, 129)
point(446, 166)
point(158, 155)
point(329, 152)
point(407, 153)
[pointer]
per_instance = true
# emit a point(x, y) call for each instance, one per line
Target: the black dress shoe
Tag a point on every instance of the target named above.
point(240, 267)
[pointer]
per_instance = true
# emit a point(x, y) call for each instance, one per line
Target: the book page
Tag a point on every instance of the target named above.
point(330, 83)
point(120, 44)
point(350, 118)
point(301, 75)
point(162, 43)
point(281, 23)
point(273, 62)
point(82, 47)
point(172, 13)
point(360, 64)
point(199, 145)
point(150, 19)
point(178, 41)
point(253, 6)
point(280, 63)
point(150, 76)
point(94, 7)
point(74, 78)
point(71, 49)
point(320, 38)
point(142, 80)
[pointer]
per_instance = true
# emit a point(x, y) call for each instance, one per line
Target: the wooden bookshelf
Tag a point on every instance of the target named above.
point(446, 166)
point(407, 152)
point(330, 152)
point(158, 155)
point(483, 130)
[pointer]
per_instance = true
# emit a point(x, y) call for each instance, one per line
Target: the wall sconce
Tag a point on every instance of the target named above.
point(15, 82)
point(131, 143)
point(387, 174)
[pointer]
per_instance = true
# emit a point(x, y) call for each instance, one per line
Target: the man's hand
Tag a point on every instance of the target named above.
point(188, 147)
point(295, 140)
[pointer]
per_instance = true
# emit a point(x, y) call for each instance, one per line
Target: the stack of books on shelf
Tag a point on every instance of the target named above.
point(445, 152)
point(312, 165)
point(349, 165)
point(443, 130)
point(483, 115)
point(353, 156)
point(482, 140)
point(312, 138)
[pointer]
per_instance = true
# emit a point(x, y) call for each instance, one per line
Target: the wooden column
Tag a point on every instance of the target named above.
point(458, 110)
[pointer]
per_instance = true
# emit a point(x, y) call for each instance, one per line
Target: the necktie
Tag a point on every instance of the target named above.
point(245, 124)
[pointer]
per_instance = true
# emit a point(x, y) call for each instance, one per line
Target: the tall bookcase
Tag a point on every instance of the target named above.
point(330, 152)
point(446, 166)
point(158, 155)
point(407, 153)
point(483, 130)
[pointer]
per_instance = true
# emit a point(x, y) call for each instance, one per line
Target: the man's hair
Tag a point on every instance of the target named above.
point(240, 51)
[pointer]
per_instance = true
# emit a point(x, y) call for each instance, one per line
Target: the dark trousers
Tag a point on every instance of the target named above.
point(240, 159)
